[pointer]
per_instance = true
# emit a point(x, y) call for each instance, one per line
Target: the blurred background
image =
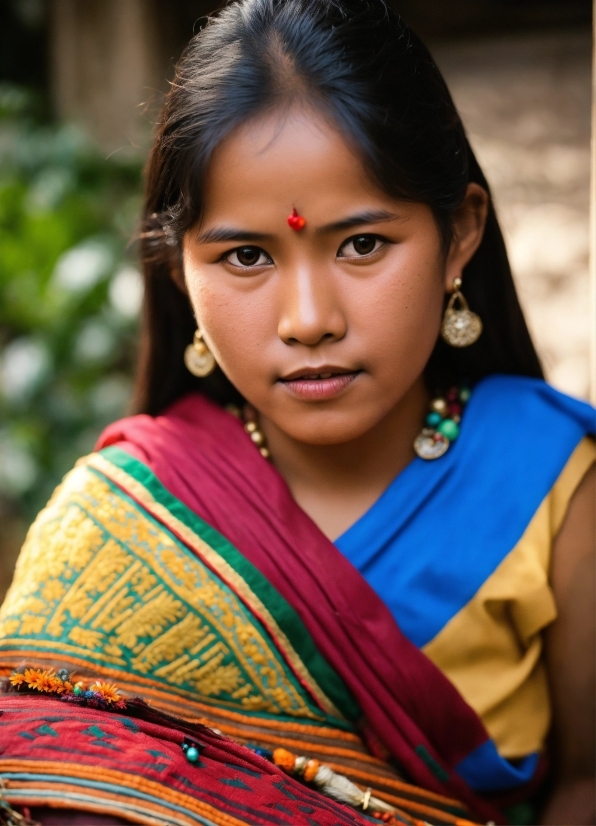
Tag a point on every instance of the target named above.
point(81, 82)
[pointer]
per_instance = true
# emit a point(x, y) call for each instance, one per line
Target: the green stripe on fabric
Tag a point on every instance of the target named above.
point(282, 612)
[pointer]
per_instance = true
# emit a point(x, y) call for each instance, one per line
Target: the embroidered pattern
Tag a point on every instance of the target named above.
point(101, 582)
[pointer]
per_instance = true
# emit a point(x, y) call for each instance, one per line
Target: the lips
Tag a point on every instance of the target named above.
point(320, 383)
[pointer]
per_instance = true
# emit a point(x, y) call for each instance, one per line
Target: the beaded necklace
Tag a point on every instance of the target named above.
point(441, 425)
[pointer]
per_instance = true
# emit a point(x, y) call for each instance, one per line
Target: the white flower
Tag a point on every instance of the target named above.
point(25, 362)
point(110, 395)
point(83, 266)
point(94, 342)
point(18, 470)
point(126, 292)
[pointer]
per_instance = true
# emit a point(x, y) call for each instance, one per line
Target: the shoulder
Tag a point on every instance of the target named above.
point(521, 426)
point(522, 442)
point(532, 402)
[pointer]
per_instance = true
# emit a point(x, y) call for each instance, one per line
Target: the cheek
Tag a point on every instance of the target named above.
point(400, 314)
point(236, 321)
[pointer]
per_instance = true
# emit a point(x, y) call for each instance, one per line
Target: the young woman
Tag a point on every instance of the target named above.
point(351, 528)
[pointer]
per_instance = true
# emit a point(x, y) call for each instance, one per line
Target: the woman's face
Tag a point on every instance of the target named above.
point(323, 330)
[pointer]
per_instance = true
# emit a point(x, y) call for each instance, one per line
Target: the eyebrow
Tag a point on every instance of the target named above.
point(220, 234)
point(369, 216)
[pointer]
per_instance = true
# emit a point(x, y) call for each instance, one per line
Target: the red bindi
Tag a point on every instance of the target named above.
point(295, 221)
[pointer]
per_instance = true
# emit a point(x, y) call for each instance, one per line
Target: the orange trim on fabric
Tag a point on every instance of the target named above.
point(398, 785)
point(84, 806)
point(419, 808)
point(119, 778)
point(98, 794)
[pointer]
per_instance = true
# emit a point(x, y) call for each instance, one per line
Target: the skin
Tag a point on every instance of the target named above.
point(570, 647)
point(359, 293)
point(378, 314)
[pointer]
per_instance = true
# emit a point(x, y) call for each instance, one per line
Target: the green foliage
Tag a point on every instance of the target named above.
point(69, 297)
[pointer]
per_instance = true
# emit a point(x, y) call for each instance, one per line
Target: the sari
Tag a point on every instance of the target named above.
point(175, 563)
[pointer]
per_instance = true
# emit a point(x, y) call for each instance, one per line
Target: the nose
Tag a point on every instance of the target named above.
point(310, 311)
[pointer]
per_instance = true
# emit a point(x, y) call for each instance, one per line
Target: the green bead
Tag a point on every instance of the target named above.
point(449, 429)
point(433, 419)
point(77, 690)
point(192, 754)
point(464, 395)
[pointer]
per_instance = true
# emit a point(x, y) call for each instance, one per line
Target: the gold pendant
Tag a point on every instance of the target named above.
point(430, 445)
point(461, 327)
point(199, 359)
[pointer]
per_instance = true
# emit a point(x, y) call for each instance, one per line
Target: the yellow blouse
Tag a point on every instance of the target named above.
point(491, 650)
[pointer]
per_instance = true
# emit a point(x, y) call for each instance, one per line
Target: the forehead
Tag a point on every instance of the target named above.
point(297, 158)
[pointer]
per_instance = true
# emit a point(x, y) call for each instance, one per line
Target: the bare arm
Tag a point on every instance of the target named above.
point(570, 658)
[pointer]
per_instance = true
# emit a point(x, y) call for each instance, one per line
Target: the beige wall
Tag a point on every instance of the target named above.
point(107, 64)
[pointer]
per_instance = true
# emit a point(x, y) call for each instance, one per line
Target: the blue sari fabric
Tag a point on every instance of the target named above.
point(442, 527)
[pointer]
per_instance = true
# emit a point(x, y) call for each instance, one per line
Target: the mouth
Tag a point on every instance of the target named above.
point(318, 383)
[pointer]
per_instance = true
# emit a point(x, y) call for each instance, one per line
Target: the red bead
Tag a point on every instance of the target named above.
point(297, 222)
point(452, 395)
point(454, 410)
point(437, 437)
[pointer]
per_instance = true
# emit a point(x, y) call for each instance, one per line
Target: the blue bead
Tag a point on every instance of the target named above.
point(433, 419)
point(192, 754)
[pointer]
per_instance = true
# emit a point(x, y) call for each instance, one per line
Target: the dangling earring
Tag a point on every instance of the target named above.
point(198, 358)
point(461, 327)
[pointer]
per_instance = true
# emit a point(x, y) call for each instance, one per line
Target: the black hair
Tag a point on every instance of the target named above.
point(366, 69)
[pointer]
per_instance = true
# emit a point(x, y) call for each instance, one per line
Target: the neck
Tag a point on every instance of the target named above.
point(336, 484)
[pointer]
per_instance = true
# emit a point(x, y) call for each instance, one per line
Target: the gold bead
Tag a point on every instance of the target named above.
point(265, 452)
point(250, 427)
point(456, 418)
point(439, 406)
point(257, 437)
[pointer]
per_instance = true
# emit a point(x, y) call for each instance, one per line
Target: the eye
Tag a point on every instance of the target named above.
point(360, 245)
point(247, 257)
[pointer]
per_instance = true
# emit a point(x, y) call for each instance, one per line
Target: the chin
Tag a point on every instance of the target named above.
point(327, 428)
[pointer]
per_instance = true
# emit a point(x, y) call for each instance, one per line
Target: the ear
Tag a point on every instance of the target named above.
point(177, 275)
point(468, 222)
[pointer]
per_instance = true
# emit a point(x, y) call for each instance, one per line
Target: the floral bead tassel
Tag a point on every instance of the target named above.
point(337, 786)
point(46, 681)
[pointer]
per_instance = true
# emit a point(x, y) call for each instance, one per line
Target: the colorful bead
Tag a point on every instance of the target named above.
point(192, 754)
point(449, 429)
point(439, 406)
point(433, 419)
point(311, 769)
point(284, 759)
point(264, 753)
point(295, 221)
point(441, 425)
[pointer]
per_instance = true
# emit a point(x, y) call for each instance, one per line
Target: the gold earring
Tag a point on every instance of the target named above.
point(198, 358)
point(461, 327)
